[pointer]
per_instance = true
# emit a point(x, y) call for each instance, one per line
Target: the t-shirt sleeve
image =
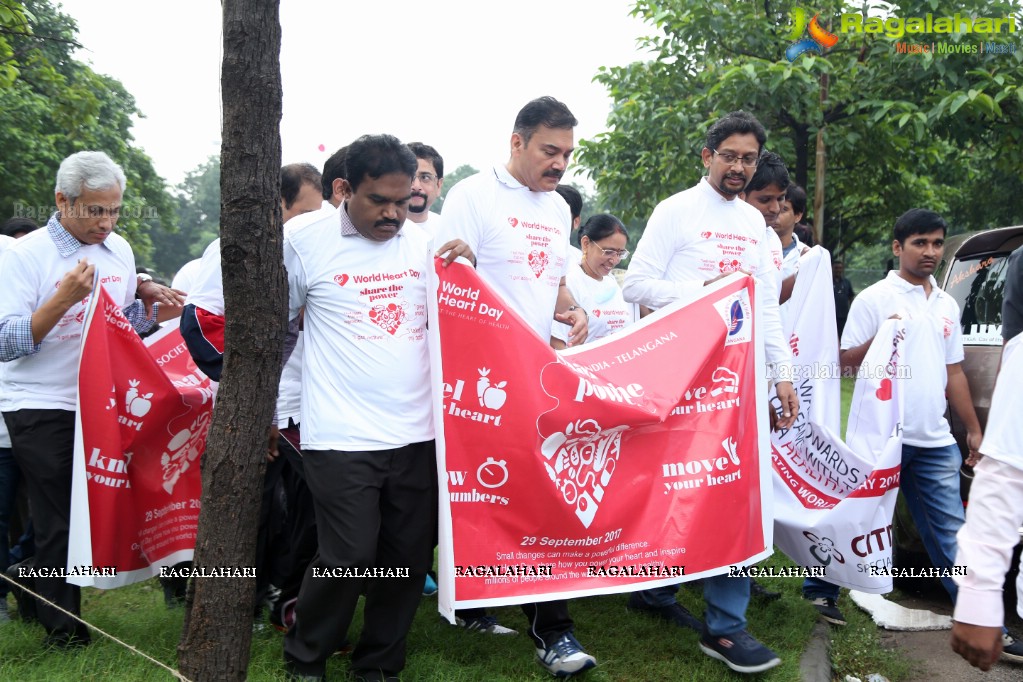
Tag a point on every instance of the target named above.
point(208, 289)
point(860, 326)
point(645, 280)
point(297, 283)
point(461, 219)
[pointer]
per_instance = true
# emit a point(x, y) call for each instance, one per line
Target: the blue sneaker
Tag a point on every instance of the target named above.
point(740, 651)
point(565, 657)
point(430, 588)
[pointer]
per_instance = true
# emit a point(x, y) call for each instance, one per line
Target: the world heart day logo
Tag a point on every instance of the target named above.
point(818, 39)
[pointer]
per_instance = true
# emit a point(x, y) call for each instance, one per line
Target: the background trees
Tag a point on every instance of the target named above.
point(899, 130)
point(53, 106)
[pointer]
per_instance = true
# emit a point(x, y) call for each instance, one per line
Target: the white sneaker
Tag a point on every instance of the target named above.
point(565, 657)
point(487, 624)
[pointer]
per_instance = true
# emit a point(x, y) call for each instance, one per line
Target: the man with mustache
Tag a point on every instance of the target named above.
point(47, 278)
point(933, 350)
point(692, 239)
point(426, 187)
point(366, 414)
point(518, 228)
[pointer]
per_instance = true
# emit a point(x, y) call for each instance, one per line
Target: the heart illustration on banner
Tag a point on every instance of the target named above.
point(580, 460)
point(341, 279)
point(705, 234)
point(596, 312)
point(885, 391)
point(538, 261)
point(513, 221)
point(388, 317)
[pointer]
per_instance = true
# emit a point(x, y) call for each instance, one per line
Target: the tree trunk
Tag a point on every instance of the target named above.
point(218, 624)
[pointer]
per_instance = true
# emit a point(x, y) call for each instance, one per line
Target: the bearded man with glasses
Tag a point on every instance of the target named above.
point(692, 239)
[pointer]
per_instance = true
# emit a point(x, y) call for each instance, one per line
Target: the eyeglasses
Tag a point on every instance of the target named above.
point(730, 159)
point(426, 178)
point(620, 254)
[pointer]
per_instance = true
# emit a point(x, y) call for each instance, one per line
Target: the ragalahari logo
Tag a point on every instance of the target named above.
point(818, 39)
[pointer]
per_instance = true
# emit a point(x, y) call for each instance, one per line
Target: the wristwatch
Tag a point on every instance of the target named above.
point(142, 278)
point(578, 307)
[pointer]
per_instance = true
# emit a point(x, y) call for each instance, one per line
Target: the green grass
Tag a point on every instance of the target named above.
point(627, 646)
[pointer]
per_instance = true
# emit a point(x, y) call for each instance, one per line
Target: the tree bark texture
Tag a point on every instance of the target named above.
point(218, 624)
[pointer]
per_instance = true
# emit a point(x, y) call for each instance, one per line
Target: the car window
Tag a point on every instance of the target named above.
point(976, 283)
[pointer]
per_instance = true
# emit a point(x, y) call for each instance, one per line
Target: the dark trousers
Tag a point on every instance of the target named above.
point(270, 541)
point(373, 510)
point(43, 443)
point(300, 517)
point(9, 477)
point(548, 621)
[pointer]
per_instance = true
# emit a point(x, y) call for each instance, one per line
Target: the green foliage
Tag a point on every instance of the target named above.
point(450, 180)
point(56, 106)
point(900, 130)
point(197, 209)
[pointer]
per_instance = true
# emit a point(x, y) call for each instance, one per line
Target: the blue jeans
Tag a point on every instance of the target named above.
point(726, 599)
point(9, 477)
point(930, 484)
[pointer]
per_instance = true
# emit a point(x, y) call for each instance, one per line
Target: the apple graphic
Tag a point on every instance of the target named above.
point(137, 405)
point(491, 397)
point(494, 396)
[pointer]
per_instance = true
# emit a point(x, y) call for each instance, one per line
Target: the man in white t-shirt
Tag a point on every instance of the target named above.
point(933, 353)
point(517, 228)
point(692, 239)
point(47, 278)
point(995, 513)
point(367, 422)
point(426, 187)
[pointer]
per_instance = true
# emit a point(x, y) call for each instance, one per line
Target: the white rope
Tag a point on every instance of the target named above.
point(143, 654)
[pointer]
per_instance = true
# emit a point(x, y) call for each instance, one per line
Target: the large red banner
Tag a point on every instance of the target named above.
point(631, 462)
point(143, 412)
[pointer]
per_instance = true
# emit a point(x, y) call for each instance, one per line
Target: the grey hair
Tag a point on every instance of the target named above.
point(87, 170)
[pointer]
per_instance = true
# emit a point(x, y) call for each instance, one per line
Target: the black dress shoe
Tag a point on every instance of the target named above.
point(758, 590)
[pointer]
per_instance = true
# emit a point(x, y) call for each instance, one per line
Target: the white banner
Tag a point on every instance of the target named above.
point(834, 500)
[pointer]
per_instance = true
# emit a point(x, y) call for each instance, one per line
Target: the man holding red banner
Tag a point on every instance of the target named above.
point(367, 420)
point(694, 238)
point(47, 278)
point(518, 228)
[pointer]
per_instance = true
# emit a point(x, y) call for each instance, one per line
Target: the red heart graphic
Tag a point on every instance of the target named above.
point(597, 313)
point(341, 279)
point(513, 221)
point(885, 391)
point(705, 234)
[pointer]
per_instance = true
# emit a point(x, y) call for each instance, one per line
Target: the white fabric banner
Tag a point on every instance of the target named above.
point(834, 500)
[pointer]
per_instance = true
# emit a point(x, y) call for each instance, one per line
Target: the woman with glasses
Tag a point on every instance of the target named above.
point(603, 240)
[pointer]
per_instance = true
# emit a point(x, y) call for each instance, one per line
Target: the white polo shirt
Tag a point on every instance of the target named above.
point(933, 340)
point(519, 237)
point(366, 368)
